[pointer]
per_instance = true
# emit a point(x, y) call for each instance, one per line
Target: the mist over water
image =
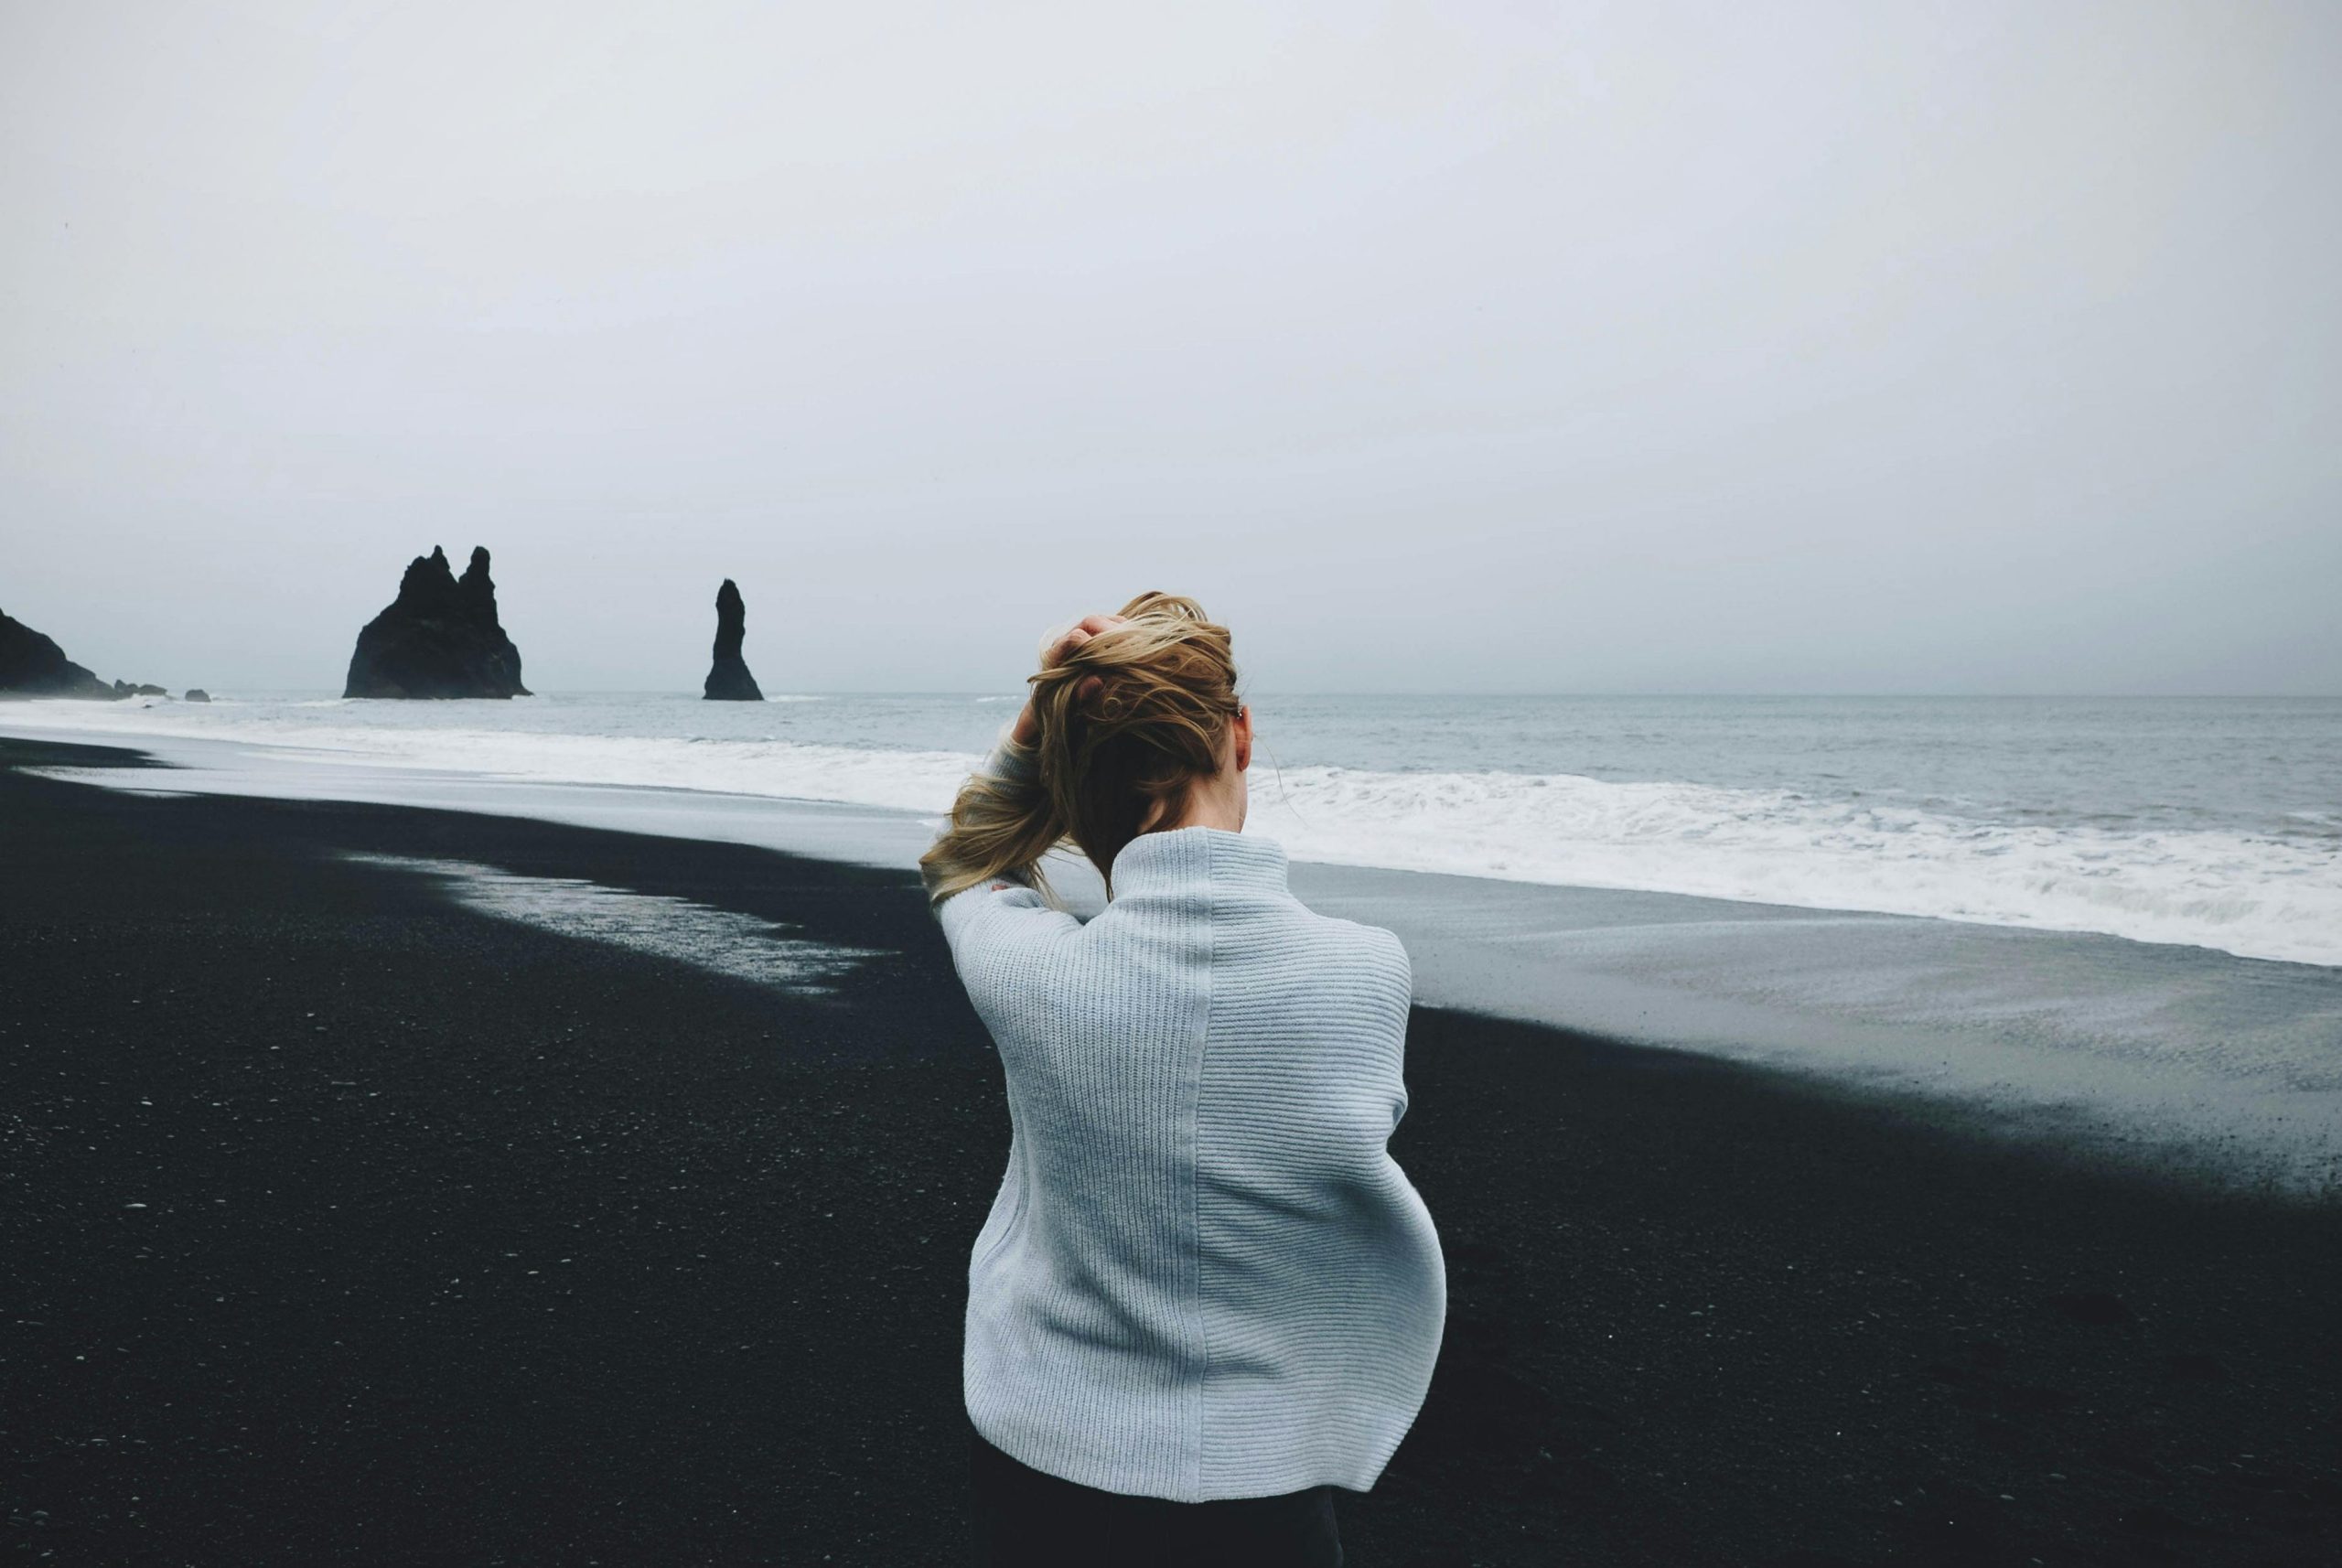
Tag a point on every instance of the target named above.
point(2205, 821)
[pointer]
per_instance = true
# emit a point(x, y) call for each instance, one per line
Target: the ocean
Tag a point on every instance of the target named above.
point(2213, 822)
point(2111, 928)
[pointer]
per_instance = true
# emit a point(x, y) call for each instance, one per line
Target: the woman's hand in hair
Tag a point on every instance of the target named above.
point(1057, 646)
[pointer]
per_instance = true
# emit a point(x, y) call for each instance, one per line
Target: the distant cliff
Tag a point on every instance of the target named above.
point(728, 680)
point(439, 638)
point(33, 666)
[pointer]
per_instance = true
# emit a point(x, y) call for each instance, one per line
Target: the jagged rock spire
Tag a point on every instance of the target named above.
point(440, 638)
point(728, 679)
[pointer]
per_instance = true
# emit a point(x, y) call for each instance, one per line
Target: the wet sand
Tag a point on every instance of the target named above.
point(347, 1223)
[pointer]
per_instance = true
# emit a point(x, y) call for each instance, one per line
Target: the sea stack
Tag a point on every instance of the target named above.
point(439, 638)
point(33, 666)
point(728, 680)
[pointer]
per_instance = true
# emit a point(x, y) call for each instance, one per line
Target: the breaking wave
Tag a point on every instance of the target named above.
point(2275, 895)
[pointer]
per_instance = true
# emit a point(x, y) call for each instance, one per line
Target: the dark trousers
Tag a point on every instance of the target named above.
point(1025, 1518)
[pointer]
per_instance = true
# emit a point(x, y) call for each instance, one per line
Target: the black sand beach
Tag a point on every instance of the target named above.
point(342, 1223)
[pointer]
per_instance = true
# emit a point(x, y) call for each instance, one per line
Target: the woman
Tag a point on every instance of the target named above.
point(1205, 1295)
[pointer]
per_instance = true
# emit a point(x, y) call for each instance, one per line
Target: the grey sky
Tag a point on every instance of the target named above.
point(1955, 346)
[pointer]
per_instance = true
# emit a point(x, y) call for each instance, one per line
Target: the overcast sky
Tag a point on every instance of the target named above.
point(1865, 347)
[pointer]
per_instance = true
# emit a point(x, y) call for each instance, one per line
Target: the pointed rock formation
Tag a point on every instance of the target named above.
point(33, 666)
point(439, 638)
point(728, 680)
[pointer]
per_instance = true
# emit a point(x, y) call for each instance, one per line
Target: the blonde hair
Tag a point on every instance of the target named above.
point(1127, 722)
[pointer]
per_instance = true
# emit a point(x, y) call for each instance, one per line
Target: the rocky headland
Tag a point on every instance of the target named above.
point(728, 680)
point(32, 665)
point(440, 638)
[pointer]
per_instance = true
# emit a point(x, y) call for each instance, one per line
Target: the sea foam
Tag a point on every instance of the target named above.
point(2251, 896)
point(721, 942)
point(2275, 895)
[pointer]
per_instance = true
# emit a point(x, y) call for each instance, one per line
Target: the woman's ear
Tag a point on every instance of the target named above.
point(1242, 729)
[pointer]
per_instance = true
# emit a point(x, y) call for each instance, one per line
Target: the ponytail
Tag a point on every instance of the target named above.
point(1002, 824)
point(1126, 723)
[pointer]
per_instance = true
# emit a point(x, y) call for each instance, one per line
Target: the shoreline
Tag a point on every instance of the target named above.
point(1831, 854)
point(467, 1240)
point(2186, 1061)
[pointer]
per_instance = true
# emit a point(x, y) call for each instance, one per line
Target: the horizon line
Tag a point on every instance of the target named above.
point(328, 694)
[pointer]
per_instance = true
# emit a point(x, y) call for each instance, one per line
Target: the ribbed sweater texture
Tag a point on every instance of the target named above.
point(1204, 1275)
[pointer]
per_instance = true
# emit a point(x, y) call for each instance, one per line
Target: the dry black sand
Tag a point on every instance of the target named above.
point(464, 1242)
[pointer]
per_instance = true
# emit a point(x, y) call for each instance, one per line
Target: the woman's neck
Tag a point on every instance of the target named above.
point(1214, 806)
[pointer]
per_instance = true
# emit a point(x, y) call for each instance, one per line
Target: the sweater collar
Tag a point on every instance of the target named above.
point(1155, 861)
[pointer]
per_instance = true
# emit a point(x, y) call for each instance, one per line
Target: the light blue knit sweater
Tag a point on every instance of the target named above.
point(1204, 1275)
